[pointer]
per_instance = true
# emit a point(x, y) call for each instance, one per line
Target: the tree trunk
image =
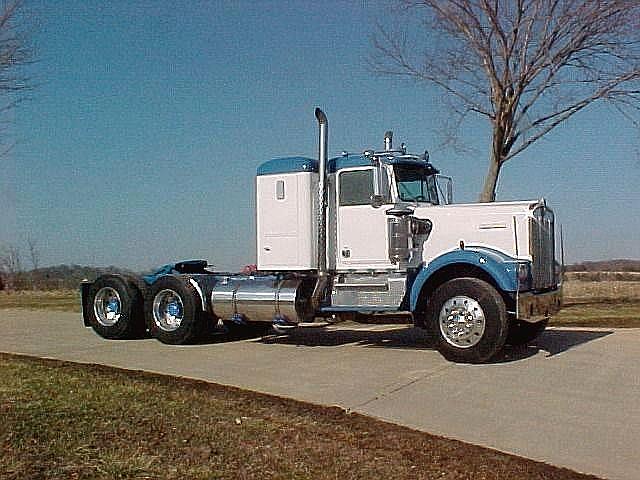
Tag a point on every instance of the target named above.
point(488, 193)
point(498, 153)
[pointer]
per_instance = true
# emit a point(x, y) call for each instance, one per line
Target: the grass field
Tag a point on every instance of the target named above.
point(60, 300)
point(599, 314)
point(593, 302)
point(584, 291)
point(61, 420)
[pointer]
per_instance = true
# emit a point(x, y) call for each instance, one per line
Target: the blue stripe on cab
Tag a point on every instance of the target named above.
point(288, 165)
point(304, 164)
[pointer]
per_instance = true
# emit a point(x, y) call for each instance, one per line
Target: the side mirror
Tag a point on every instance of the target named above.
point(377, 201)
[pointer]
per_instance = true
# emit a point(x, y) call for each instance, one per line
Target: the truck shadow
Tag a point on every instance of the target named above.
point(551, 342)
point(409, 338)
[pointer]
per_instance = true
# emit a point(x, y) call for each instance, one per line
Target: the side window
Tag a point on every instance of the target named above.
point(280, 190)
point(356, 187)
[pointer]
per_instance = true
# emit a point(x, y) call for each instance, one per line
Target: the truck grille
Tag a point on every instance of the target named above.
point(542, 248)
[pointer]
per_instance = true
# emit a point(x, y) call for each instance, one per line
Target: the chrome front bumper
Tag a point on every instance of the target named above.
point(533, 307)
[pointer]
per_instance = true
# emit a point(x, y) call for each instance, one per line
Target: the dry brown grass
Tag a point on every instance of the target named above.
point(581, 291)
point(603, 276)
point(64, 300)
point(600, 299)
point(607, 314)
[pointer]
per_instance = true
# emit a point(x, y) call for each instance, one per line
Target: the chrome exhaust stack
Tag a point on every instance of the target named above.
point(322, 190)
point(388, 140)
point(323, 140)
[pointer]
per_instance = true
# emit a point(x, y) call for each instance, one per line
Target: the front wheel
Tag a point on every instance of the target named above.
point(173, 311)
point(468, 317)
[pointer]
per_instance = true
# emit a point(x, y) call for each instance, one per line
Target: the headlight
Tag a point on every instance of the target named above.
point(420, 226)
point(524, 276)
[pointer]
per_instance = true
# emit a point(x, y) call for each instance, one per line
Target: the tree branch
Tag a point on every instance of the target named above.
point(525, 65)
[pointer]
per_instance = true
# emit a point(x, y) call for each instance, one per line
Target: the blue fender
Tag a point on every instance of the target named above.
point(160, 271)
point(502, 268)
point(186, 266)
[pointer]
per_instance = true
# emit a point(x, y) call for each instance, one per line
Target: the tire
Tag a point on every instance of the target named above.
point(115, 307)
point(173, 311)
point(521, 332)
point(468, 319)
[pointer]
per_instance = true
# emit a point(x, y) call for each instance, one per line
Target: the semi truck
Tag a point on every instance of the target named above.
point(372, 233)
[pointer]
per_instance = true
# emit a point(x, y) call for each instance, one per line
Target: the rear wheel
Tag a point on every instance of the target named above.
point(115, 307)
point(468, 317)
point(173, 311)
point(521, 332)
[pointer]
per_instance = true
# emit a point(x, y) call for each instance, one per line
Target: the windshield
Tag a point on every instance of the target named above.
point(415, 184)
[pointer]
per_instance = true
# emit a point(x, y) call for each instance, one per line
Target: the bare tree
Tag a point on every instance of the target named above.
point(34, 257)
point(524, 65)
point(34, 252)
point(15, 54)
point(11, 264)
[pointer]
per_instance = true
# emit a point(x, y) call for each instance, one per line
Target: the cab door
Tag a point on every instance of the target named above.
point(362, 240)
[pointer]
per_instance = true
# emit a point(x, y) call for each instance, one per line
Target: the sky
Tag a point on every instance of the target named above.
point(139, 145)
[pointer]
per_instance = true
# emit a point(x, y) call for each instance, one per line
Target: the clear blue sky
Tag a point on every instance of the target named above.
point(141, 142)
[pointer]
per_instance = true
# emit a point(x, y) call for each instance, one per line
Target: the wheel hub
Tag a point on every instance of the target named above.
point(168, 310)
point(462, 322)
point(107, 306)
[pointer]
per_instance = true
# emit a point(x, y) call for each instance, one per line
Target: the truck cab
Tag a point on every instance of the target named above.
point(394, 239)
point(363, 193)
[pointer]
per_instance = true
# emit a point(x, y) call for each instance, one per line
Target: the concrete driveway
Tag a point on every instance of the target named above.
point(572, 399)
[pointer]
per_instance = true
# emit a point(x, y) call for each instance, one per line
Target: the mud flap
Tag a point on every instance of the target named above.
point(86, 304)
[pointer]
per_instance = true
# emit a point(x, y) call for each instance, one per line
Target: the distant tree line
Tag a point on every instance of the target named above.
point(606, 266)
point(12, 266)
point(14, 274)
point(59, 277)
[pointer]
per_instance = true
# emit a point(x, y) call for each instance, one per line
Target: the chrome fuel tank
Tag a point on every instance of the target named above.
point(260, 299)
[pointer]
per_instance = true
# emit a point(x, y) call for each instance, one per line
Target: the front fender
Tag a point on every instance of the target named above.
point(502, 268)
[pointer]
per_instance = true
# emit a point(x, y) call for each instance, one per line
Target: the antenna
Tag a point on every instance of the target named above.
point(562, 251)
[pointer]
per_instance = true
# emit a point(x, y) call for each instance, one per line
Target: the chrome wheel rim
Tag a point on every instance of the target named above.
point(107, 306)
point(168, 310)
point(462, 322)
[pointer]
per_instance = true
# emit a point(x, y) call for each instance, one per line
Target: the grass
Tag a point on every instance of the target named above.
point(60, 300)
point(581, 291)
point(62, 420)
point(590, 302)
point(599, 314)
point(603, 276)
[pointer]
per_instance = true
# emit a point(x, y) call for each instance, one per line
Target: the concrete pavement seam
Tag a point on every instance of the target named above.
point(395, 387)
